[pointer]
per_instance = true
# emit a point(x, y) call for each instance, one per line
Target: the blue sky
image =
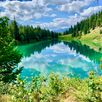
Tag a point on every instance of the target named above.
point(56, 15)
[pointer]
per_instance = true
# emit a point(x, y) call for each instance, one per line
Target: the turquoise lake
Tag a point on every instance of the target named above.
point(65, 58)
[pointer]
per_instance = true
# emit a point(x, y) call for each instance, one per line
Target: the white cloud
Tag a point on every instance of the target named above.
point(53, 15)
point(39, 8)
point(91, 10)
point(32, 11)
point(57, 2)
point(61, 23)
point(25, 10)
point(75, 6)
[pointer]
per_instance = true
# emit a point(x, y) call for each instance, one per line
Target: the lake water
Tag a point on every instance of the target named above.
point(65, 58)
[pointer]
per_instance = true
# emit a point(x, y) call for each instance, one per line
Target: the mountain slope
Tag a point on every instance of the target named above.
point(92, 39)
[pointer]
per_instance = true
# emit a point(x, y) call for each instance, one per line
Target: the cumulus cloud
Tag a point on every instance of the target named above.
point(36, 10)
point(24, 10)
point(75, 6)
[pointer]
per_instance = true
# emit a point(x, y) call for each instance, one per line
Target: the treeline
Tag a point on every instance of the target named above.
point(28, 33)
point(86, 25)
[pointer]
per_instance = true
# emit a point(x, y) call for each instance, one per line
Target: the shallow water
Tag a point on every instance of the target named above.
point(71, 59)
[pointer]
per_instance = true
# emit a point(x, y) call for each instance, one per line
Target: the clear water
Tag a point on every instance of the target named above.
point(71, 59)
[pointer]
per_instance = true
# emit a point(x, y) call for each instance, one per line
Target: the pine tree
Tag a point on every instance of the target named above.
point(14, 29)
point(9, 57)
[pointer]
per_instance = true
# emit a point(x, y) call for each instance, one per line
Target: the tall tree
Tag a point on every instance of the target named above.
point(15, 29)
point(9, 57)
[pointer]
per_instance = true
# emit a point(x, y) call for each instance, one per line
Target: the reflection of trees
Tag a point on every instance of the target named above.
point(84, 50)
point(36, 47)
point(78, 47)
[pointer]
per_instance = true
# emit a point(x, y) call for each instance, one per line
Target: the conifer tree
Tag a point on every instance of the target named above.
point(9, 57)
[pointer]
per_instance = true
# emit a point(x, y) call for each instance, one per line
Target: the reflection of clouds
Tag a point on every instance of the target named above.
point(60, 48)
point(76, 63)
point(85, 58)
point(50, 55)
point(38, 56)
point(58, 58)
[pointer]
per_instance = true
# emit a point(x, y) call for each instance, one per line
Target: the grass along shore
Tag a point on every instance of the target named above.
point(93, 39)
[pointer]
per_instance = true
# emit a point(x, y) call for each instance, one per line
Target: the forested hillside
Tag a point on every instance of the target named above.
point(86, 25)
point(28, 33)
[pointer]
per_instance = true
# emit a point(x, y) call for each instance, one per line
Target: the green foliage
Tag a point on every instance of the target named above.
point(15, 30)
point(53, 89)
point(100, 31)
point(4, 88)
point(101, 63)
point(95, 88)
point(9, 57)
point(29, 33)
point(40, 89)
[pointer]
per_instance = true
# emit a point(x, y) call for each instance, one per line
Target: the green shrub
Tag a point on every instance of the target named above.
point(54, 89)
point(95, 88)
point(101, 31)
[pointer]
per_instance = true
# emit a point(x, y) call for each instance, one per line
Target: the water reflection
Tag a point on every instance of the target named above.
point(85, 50)
point(29, 49)
point(70, 59)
